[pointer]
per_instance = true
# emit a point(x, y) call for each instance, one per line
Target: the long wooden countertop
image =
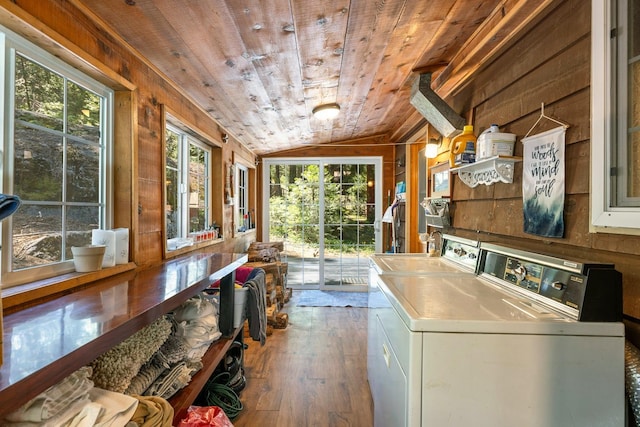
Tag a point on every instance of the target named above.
point(45, 343)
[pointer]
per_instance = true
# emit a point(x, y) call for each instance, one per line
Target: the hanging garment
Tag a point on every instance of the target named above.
point(257, 303)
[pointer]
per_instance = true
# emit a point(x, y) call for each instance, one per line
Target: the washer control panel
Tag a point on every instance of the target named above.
point(461, 252)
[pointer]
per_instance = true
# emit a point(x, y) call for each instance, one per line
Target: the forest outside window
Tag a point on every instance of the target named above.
point(188, 186)
point(57, 143)
point(615, 135)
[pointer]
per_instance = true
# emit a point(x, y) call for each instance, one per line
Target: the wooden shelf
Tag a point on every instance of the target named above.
point(488, 171)
point(185, 397)
point(45, 343)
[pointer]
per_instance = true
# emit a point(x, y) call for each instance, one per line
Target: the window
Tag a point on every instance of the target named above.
point(188, 183)
point(615, 121)
point(57, 143)
point(243, 219)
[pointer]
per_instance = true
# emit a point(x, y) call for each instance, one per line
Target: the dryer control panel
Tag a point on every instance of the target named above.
point(585, 290)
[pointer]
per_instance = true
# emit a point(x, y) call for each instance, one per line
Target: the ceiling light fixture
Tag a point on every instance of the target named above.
point(326, 111)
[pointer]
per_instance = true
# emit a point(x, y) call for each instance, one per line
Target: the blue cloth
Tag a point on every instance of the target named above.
point(8, 205)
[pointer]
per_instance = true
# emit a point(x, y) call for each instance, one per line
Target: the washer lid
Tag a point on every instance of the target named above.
point(413, 264)
point(465, 303)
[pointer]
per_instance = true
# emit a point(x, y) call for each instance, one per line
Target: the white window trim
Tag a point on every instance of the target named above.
point(185, 140)
point(604, 217)
point(9, 42)
point(240, 168)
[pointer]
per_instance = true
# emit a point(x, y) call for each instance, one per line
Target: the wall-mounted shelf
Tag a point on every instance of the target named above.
point(488, 171)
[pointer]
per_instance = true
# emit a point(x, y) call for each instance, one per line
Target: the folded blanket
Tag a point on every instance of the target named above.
point(56, 399)
point(115, 369)
point(153, 411)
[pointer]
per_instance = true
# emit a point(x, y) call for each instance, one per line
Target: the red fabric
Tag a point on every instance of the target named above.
point(241, 276)
point(205, 416)
point(242, 273)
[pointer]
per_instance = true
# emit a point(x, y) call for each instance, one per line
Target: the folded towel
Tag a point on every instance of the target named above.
point(153, 411)
point(56, 399)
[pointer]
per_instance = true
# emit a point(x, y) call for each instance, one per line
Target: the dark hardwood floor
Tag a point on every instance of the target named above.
point(313, 373)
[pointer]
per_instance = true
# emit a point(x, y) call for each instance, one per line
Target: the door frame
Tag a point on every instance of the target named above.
point(377, 161)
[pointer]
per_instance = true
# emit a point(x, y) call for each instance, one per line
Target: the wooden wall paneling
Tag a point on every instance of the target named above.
point(259, 206)
point(413, 202)
point(494, 35)
point(217, 181)
point(513, 190)
point(508, 218)
point(541, 44)
point(125, 154)
point(30, 20)
point(576, 220)
point(577, 168)
point(566, 74)
point(461, 191)
point(473, 214)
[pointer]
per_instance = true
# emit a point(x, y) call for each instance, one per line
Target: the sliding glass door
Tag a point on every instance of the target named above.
point(325, 211)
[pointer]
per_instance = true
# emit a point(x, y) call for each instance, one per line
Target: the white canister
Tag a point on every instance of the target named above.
point(108, 239)
point(492, 143)
point(122, 245)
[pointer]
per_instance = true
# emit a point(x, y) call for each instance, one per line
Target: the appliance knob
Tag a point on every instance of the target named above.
point(558, 286)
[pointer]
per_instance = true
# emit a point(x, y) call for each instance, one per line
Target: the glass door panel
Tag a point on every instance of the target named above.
point(325, 212)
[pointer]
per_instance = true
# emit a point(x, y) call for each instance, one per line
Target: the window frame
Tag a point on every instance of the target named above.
point(241, 196)
point(187, 138)
point(11, 44)
point(606, 121)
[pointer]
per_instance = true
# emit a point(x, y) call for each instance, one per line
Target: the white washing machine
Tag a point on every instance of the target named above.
point(529, 341)
point(458, 255)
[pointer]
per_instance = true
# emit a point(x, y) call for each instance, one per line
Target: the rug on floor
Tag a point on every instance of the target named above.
point(316, 298)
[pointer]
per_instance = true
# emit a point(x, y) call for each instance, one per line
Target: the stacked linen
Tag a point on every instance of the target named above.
point(75, 402)
point(115, 369)
point(195, 327)
point(197, 324)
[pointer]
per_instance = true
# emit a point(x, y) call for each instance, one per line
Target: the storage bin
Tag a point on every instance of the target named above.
point(239, 306)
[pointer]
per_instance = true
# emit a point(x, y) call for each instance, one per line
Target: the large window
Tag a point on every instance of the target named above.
point(615, 121)
point(56, 141)
point(188, 183)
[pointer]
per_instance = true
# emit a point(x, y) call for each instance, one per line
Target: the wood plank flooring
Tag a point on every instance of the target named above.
point(313, 373)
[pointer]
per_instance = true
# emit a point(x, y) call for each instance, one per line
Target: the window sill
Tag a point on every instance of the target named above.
point(246, 232)
point(21, 295)
point(195, 246)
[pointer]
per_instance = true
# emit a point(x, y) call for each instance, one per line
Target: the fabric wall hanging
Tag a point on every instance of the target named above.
point(543, 183)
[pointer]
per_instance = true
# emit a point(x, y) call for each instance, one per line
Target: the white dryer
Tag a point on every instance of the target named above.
point(530, 340)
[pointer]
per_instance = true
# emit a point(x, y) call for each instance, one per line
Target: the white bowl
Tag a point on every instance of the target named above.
point(88, 258)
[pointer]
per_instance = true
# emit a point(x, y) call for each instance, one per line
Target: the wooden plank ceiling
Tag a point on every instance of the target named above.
point(259, 67)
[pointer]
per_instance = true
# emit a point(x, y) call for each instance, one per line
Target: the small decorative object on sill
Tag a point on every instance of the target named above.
point(88, 258)
point(106, 238)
